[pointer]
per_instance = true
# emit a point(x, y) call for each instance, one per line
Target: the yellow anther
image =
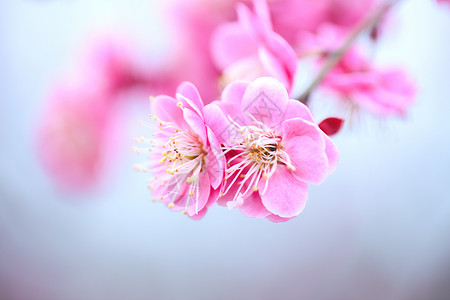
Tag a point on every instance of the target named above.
point(171, 205)
point(141, 139)
point(140, 122)
point(161, 198)
point(265, 176)
point(179, 104)
point(152, 98)
point(137, 168)
point(154, 199)
point(189, 180)
point(255, 188)
point(184, 212)
point(163, 184)
point(134, 149)
point(191, 193)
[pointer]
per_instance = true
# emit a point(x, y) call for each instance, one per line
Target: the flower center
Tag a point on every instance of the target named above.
point(177, 158)
point(255, 153)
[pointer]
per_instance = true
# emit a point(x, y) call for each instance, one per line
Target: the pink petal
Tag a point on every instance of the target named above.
point(266, 100)
point(204, 189)
point(234, 92)
point(166, 109)
point(298, 127)
point(216, 163)
point(253, 207)
point(309, 159)
point(332, 154)
point(189, 93)
point(277, 219)
point(285, 196)
point(196, 124)
point(279, 60)
point(217, 121)
point(214, 194)
point(231, 43)
point(296, 109)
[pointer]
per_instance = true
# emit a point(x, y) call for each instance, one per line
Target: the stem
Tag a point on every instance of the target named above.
point(335, 56)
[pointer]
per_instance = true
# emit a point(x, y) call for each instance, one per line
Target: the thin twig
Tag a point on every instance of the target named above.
point(335, 56)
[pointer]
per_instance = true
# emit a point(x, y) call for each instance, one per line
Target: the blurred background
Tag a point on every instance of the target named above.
point(378, 228)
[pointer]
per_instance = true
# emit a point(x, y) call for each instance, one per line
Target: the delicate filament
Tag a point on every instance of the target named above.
point(259, 151)
point(178, 158)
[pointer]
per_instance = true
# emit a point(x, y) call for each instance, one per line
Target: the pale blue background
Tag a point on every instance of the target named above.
point(378, 228)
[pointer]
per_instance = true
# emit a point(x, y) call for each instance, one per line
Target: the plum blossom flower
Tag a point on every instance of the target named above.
point(77, 136)
point(357, 80)
point(184, 154)
point(249, 48)
point(274, 148)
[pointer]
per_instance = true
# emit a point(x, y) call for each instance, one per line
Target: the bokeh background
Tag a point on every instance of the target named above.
point(378, 228)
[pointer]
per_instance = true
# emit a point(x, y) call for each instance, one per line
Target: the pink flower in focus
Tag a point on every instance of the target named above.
point(249, 48)
point(185, 154)
point(274, 148)
point(76, 136)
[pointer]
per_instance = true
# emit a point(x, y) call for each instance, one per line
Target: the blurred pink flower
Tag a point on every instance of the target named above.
point(193, 23)
point(383, 92)
point(77, 136)
point(356, 79)
point(185, 154)
point(249, 48)
point(291, 16)
point(273, 146)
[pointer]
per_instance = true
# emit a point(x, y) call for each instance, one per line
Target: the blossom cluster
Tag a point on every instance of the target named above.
point(232, 123)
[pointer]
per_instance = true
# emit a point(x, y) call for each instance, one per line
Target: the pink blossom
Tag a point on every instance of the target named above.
point(77, 136)
point(291, 16)
point(358, 80)
point(185, 154)
point(249, 48)
point(382, 91)
point(274, 148)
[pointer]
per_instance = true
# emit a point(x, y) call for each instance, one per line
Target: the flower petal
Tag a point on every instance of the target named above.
point(253, 207)
point(298, 127)
point(201, 194)
point(277, 219)
point(309, 159)
point(332, 154)
point(188, 92)
point(196, 124)
point(266, 100)
point(216, 162)
point(285, 195)
point(216, 120)
point(296, 109)
point(230, 43)
point(166, 109)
